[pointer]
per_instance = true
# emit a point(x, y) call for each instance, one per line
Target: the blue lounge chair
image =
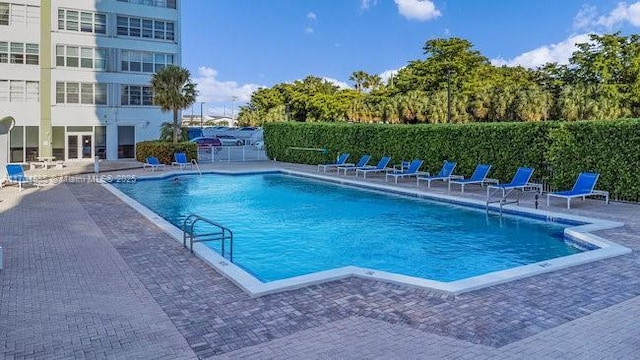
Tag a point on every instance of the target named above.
point(362, 163)
point(381, 167)
point(342, 161)
point(181, 161)
point(479, 176)
point(445, 174)
point(153, 163)
point(412, 170)
point(16, 175)
point(583, 187)
point(520, 181)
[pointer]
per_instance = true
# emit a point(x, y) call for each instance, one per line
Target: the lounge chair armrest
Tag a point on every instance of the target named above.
point(602, 193)
point(456, 177)
point(490, 181)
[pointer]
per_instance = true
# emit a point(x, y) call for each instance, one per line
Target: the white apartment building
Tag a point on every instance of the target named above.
point(75, 75)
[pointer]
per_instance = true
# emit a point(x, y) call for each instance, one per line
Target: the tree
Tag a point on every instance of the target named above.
point(360, 79)
point(173, 91)
point(166, 132)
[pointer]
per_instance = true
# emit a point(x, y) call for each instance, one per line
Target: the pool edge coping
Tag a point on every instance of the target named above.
point(255, 288)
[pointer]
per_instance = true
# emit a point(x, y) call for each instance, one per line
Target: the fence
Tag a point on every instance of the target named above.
point(209, 154)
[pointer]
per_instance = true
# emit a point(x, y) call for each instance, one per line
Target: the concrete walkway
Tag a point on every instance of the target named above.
point(86, 277)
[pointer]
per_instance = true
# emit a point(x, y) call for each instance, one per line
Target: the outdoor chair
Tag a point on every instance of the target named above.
point(181, 161)
point(380, 167)
point(15, 175)
point(153, 163)
point(583, 187)
point(479, 176)
point(520, 181)
point(445, 174)
point(342, 161)
point(362, 163)
point(412, 170)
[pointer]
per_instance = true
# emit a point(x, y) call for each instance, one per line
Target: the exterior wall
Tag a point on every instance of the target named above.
point(49, 113)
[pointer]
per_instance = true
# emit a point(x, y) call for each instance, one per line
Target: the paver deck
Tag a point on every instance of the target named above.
point(87, 277)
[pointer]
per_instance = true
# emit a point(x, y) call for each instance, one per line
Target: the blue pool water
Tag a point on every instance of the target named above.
point(286, 226)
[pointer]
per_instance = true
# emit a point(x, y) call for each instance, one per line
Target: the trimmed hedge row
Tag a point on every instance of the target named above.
point(610, 148)
point(164, 150)
point(557, 150)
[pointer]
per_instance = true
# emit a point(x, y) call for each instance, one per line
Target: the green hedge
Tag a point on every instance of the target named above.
point(164, 150)
point(557, 150)
point(503, 145)
point(610, 148)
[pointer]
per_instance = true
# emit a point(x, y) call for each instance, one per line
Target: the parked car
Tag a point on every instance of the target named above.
point(229, 140)
point(207, 141)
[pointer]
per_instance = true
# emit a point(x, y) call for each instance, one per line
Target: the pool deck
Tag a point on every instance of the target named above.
point(81, 280)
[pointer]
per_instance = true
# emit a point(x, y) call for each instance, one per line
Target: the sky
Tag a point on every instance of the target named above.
point(233, 47)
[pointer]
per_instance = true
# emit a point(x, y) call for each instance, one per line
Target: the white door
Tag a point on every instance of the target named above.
point(80, 146)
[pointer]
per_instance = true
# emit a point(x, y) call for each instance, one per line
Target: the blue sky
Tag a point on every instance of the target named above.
point(232, 47)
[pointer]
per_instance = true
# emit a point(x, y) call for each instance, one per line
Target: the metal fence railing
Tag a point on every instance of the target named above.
point(209, 154)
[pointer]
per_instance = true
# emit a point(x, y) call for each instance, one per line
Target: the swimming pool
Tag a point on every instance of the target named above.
point(286, 226)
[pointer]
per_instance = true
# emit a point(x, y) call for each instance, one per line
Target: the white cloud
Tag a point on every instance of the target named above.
point(365, 4)
point(338, 83)
point(622, 13)
point(308, 30)
point(558, 53)
point(421, 10)
point(212, 90)
point(585, 18)
point(312, 16)
point(221, 110)
point(387, 74)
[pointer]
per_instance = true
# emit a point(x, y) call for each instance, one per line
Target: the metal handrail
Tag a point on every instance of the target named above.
point(188, 233)
point(194, 162)
point(528, 188)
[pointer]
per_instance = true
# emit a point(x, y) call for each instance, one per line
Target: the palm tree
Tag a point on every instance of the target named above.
point(359, 78)
point(173, 91)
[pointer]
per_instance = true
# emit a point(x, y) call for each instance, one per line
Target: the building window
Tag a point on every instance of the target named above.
point(100, 141)
point(19, 91)
point(135, 95)
point(4, 90)
point(32, 91)
point(4, 13)
point(82, 21)
point(145, 28)
point(87, 58)
point(32, 54)
point(171, 4)
point(4, 52)
point(81, 93)
point(19, 53)
point(13, 14)
point(146, 62)
point(16, 144)
point(23, 140)
point(126, 142)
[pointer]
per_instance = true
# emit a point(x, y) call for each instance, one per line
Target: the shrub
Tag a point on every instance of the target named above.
point(610, 148)
point(557, 150)
point(504, 145)
point(164, 150)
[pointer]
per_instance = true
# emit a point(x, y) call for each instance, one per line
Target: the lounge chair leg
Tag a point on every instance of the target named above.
point(568, 203)
point(547, 200)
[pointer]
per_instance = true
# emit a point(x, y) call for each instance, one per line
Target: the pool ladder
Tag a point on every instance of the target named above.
point(194, 162)
point(210, 231)
point(529, 188)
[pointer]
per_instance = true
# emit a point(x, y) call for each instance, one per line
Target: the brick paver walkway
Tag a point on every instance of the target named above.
point(92, 278)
